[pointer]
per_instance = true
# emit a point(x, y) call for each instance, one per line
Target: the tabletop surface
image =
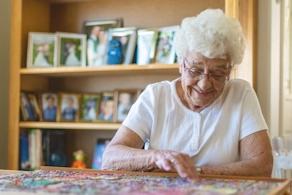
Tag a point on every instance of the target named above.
point(75, 181)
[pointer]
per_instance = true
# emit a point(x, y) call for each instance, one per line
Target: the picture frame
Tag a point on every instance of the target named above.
point(89, 107)
point(34, 104)
point(165, 51)
point(97, 39)
point(106, 108)
point(41, 50)
point(49, 106)
point(69, 107)
point(28, 112)
point(124, 99)
point(98, 152)
point(71, 49)
point(127, 37)
point(146, 44)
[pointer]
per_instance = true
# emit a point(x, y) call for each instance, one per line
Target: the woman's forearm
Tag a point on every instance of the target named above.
point(241, 168)
point(119, 157)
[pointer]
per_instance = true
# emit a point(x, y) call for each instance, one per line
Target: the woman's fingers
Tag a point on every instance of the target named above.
point(183, 164)
point(169, 160)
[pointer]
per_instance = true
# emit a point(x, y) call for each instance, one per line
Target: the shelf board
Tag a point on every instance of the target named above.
point(101, 70)
point(66, 1)
point(70, 125)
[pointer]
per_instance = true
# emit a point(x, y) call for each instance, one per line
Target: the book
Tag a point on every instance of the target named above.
point(32, 148)
point(53, 148)
point(98, 152)
point(24, 163)
point(35, 148)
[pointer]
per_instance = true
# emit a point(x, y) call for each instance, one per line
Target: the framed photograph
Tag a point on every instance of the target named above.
point(34, 104)
point(146, 44)
point(49, 106)
point(127, 38)
point(71, 49)
point(124, 99)
point(165, 52)
point(97, 39)
point(89, 106)
point(106, 108)
point(98, 152)
point(68, 107)
point(28, 111)
point(41, 50)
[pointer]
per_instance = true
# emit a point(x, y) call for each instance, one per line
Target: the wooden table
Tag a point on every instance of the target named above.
point(122, 182)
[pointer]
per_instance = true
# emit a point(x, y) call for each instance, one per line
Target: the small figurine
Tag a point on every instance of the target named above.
point(79, 160)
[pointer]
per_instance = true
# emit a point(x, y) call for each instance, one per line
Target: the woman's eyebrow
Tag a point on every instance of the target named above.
point(199, 64)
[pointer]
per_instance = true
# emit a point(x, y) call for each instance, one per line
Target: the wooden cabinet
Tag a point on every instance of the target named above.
point(69, 16)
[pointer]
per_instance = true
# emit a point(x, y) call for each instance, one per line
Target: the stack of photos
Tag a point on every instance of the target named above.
point(106, 107)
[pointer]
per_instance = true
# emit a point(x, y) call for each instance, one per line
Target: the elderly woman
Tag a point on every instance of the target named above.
point(202, 122)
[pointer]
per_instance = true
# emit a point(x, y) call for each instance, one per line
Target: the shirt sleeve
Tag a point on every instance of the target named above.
point(252, 117)
point(140, 118)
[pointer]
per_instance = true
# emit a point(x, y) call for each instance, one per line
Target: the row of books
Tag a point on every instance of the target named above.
point(47, 148)
point(41, 147)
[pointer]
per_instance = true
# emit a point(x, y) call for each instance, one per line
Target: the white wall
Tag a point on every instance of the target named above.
point(269, 63)
point(5, 7)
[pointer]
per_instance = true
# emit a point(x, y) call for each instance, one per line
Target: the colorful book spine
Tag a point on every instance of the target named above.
point(35, 148)
point(39, 155)
point(32, 148)
point(24, 154)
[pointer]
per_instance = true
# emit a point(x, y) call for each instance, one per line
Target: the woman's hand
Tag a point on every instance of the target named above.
point(172, 161)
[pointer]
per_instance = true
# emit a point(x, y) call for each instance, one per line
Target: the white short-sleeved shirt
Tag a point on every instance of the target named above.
point(210, 137)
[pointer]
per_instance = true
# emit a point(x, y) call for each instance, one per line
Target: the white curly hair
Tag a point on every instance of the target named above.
point(212, 34)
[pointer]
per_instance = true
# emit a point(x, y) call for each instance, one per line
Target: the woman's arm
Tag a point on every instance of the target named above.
point(256, 158)
point(124, 153)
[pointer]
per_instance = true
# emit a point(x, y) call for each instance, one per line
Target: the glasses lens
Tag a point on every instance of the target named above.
point(218, 78)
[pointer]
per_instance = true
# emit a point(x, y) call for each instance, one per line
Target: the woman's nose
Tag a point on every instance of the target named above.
point(205, 83)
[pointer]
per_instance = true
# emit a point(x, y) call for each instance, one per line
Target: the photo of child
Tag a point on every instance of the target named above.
point(106, 110)
point(124, 101)
point(89, 107)
point(69, 107)
point(49, 106)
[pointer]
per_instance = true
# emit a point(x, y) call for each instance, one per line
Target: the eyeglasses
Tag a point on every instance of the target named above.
point(197, 75)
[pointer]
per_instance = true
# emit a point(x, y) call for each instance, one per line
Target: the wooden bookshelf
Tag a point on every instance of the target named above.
point(69, 16)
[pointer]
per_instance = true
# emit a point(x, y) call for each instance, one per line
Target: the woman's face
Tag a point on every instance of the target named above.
point(200, 91)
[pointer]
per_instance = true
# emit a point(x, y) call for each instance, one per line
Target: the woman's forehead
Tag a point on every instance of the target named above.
point(197, 59)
